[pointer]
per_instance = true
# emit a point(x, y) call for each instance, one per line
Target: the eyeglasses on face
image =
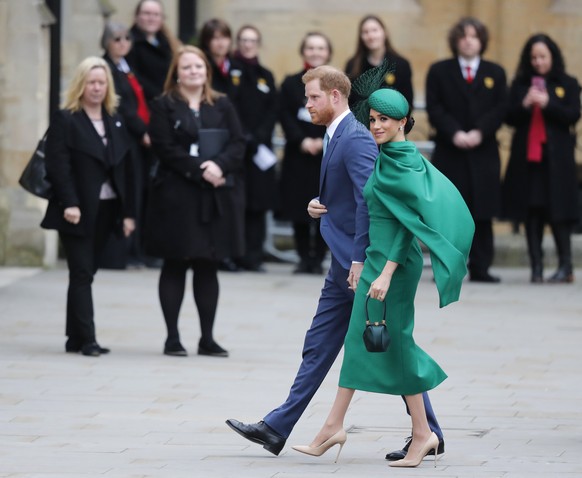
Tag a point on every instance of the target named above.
point(118, 39)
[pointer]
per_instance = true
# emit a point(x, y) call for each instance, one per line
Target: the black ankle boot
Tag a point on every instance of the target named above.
point(537, 275)
point(563, 275)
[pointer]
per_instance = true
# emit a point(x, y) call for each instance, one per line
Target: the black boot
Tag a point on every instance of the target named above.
point(534, 233)
point(564, 274)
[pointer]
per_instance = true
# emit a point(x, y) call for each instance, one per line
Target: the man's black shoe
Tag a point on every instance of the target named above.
point(260, 433)
point(484, 277)
point(400, 454)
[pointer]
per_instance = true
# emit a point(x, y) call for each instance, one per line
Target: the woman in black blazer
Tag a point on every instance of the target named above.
point(372, 48)
point(194, 218)
point(302, 158)
point(540, 183)
point(88, 161)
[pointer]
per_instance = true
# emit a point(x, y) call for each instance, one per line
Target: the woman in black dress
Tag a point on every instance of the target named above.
point(540, 183)
point(303, 154)
point(194, 218)
point(373, 47)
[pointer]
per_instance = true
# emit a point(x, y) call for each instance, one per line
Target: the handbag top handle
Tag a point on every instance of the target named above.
point(368, 315)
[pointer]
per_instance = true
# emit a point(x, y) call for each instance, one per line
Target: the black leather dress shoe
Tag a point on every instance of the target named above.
point(92, 349)
point(175, 349)
point(73, 346)
point(484, 277)
point(212, 349)
point(400, 454)
point(260, 433)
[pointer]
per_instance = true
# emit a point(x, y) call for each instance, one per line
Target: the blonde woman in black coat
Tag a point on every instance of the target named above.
point(540, 183)
point(89, 165)
point(194, 219)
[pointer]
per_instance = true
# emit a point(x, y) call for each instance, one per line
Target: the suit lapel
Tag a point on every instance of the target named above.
point(118, 145)
point(330, 149)
point(86, 139)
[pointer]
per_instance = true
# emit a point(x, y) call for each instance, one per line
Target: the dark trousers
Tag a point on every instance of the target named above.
point(82, 254)
point(255, 234)
point(323, 342)
point(309, 243)
point(482, 250)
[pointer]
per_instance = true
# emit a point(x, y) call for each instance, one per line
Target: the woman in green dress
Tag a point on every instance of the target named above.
point(407, 199)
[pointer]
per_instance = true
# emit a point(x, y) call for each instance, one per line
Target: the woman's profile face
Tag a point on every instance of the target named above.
point(383, 128)
point(316, 51)
point(373, 35)
point(191, 71)
point(541, 58)
point(95, 87)
point(150, 17)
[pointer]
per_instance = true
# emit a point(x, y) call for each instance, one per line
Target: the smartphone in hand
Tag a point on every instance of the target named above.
point(538, 82)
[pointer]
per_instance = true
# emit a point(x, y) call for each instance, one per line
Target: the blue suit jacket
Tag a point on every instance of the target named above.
point(346, 166)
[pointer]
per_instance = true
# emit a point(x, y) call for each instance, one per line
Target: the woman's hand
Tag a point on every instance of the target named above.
point(72, 215)
point(128, 226)
point(212, 173)
point(379, 288)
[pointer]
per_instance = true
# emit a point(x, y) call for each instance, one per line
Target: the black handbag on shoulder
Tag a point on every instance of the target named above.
point(376, 336)
point(33, 178)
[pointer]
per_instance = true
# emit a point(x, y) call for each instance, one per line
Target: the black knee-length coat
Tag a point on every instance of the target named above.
point(186, 216)
point(300, 171)
point(453, 105)
point(560, 116)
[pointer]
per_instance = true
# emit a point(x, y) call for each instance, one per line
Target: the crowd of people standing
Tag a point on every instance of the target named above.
point(187, 173)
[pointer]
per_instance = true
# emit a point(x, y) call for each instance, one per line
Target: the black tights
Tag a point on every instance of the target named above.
point(171, 290)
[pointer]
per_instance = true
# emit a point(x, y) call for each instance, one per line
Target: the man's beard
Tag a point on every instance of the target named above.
point(324, 116)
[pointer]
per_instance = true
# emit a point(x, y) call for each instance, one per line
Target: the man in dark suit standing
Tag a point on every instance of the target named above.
point(466, 99)
point(348, 159)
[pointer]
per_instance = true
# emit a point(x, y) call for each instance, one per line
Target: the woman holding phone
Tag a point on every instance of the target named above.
point(540, 184)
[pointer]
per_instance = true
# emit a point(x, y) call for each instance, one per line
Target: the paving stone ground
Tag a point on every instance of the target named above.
point(510, 408)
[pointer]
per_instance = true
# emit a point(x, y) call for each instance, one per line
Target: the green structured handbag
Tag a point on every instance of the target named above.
point(376, 336)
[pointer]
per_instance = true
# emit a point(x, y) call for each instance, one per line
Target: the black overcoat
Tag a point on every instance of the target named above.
point(560, 117)
point(453, 105)
point(186, 216)
point(78, 163)
point(256, 104)
point(127, 101)
point(150, 62)
point(400, 79)
point(300, 171)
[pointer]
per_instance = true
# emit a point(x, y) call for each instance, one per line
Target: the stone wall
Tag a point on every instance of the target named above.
point(418, 30)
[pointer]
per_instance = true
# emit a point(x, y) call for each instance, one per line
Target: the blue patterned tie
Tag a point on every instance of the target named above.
point(325, 142)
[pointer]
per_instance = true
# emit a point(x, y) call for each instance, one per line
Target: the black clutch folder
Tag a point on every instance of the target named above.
point(211, 142)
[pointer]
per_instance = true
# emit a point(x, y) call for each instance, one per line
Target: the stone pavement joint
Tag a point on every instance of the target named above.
point(510, 407)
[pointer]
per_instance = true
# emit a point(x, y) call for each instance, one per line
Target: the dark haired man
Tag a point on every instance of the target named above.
point(466, 99)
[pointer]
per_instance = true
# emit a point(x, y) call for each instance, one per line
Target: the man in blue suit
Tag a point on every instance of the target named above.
point(348, 161)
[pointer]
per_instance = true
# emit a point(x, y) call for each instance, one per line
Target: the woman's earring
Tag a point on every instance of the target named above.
point(400, 128)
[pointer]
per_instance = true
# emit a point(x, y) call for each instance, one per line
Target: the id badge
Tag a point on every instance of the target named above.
point(194, 150)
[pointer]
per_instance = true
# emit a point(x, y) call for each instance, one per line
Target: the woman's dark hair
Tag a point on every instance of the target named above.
point(525, 69)
point(458, 31)
point(409, 123)
point(211, 27)
point(362, 51)
point(308, 35)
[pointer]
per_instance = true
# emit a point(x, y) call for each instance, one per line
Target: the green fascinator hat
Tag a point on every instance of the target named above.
point(389, 102)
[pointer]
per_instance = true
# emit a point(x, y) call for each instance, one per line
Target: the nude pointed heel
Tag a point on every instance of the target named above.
point(338, 438)
point(431, 444)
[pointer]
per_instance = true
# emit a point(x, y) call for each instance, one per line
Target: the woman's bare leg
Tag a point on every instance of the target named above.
point(337, 414)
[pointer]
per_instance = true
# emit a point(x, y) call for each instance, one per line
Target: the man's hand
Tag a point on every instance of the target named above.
point(315, 209)
point(354, 275)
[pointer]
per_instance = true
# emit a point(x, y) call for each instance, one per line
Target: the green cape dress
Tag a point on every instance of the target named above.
point(408, 199)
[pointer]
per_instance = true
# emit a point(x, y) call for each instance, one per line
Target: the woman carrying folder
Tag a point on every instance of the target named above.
point(193, 219)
